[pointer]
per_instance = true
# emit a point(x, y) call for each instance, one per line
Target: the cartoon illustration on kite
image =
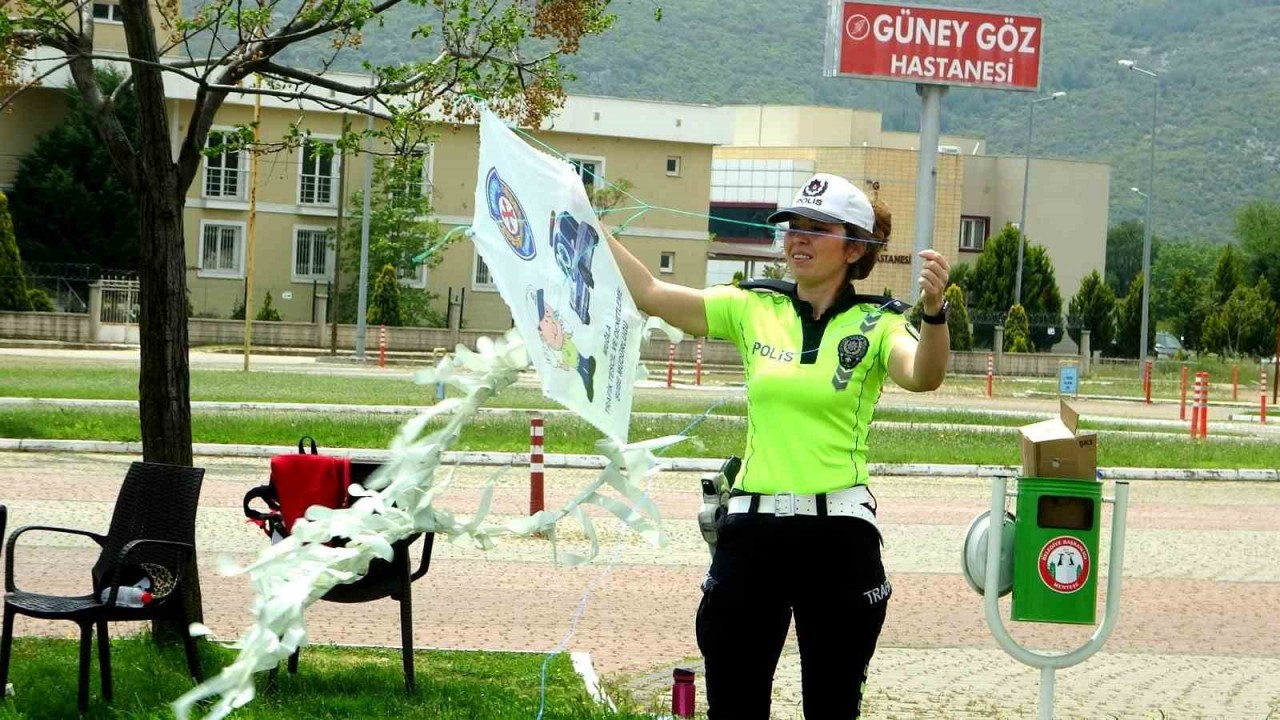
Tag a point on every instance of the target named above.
point(558, 341)
point(573, 243)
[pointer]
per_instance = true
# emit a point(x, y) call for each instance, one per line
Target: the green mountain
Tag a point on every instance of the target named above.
point(1218, 138)
point(1218, 131)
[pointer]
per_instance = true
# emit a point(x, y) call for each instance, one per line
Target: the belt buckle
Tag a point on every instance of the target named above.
point(784, 504)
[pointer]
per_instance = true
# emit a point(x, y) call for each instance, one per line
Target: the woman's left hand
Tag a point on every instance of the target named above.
point(933, 280)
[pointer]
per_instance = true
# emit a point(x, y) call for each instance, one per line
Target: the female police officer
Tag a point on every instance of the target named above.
point(800, 535)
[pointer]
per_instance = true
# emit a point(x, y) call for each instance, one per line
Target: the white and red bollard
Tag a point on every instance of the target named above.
point(991, 373)
point(1262, 393)
point(536, 503)
point(1146, 381)
point(1182, 408)
point(1200, 407)
point(382, 346)
point(697, 372)
point(671, 364)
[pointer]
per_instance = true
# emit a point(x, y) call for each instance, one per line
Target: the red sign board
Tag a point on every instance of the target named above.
point(933, 45)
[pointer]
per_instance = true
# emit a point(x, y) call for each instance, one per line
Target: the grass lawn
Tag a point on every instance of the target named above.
point(715, 437)
point(74, 379)
point(331, 683)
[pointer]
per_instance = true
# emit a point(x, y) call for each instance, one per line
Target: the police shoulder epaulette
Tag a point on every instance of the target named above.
point(769, 284)
point(883, 302)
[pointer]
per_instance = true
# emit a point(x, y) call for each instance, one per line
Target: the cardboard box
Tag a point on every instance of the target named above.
point(1053, 449)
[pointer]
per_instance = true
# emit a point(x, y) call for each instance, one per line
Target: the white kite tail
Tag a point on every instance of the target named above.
point(398, 501)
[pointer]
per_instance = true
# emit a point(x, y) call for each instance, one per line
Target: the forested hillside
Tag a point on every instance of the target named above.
point(1218, 143)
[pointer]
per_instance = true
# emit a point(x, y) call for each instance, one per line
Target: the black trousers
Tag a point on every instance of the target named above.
point(824, 570)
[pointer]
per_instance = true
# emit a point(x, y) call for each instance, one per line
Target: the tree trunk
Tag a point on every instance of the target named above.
point(164, 405)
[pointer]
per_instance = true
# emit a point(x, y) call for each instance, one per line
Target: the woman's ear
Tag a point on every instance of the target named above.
point(854, 250)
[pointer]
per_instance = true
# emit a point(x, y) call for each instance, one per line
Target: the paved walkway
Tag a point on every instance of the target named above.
point(1198, 637)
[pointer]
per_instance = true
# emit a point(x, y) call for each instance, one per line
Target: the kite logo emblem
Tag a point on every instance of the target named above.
point(1064, 564)
point(508, 213)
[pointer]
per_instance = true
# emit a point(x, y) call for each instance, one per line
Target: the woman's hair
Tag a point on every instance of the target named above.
point(879, 234)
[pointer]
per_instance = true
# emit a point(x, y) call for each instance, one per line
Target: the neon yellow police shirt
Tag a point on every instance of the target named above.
point(810, 399)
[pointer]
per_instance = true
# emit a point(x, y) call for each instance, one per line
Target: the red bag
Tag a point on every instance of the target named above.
point(298, 482)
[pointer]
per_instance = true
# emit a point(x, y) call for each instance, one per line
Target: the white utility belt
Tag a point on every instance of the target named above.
point(856, 501)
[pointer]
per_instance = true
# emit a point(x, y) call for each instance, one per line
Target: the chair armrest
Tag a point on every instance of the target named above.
point(123, 557)
point(428, 542)
point(9, 584)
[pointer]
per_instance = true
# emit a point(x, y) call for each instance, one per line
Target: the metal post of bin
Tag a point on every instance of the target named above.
point(1048, 664)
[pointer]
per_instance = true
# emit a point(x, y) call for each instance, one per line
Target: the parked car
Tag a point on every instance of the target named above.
point(1167, 345)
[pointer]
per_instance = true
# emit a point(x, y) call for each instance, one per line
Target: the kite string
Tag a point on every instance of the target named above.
point(581, 609)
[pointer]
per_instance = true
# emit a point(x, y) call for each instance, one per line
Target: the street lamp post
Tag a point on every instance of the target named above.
point(1150, 195)
point(1026, 180)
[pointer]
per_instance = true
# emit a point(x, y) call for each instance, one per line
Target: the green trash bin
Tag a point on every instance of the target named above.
point(1055, 560)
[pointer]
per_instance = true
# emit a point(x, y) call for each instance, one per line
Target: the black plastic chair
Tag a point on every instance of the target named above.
point(385, 578)
point(152, 535)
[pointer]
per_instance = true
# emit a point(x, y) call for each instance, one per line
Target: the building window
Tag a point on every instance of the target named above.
point(221, 250)
point(590, 169)
point(673, 165)
point(318, 174)
point(483, 278)
point(742, 222)
point(108, 11)
point(973, 233)
point(418, 175)
point(223, 171)
point(667, 262)
point(410, 275)
point(311, 254)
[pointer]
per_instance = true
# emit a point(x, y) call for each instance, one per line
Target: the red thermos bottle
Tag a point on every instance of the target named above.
point(682, 693)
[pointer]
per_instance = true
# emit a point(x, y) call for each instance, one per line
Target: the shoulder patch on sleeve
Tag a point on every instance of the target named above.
point(883, 302)
point(769, 285)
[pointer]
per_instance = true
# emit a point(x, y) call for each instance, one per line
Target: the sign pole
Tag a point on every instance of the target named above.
point(926, 175)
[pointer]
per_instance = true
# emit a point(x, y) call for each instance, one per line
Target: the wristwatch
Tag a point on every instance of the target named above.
point(940, 318)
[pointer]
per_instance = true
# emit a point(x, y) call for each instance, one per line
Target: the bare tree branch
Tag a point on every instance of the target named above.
point(34, 82)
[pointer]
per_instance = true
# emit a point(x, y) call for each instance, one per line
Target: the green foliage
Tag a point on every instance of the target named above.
point(776, 271)
point(237, 310)
point(39, 300)
point(1258, 229)
point(1228, 274)
point(962, 275)
point(13, 283)
point(994, 277)
point(69, 205)
point(958, 319)
point(1245, 324)
point(1017, 332)
point(384, 304)
point(267, 311)
point(1092, 308)
point(738, 277)
point(1124, 253)
point(1129, 323)
point(401, 226)
point(1196, 257)
point(1192, 303)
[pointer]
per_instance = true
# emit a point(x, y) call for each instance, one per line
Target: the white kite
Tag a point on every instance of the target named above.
point(539, 236)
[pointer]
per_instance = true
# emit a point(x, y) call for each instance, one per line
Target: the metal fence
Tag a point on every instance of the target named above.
point(67, 284)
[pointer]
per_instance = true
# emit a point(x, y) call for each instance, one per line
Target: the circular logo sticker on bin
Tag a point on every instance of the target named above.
point(1065, 564)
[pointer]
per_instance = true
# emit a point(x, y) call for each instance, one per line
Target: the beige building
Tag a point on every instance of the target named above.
point(775, 148)
point(663, 149)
